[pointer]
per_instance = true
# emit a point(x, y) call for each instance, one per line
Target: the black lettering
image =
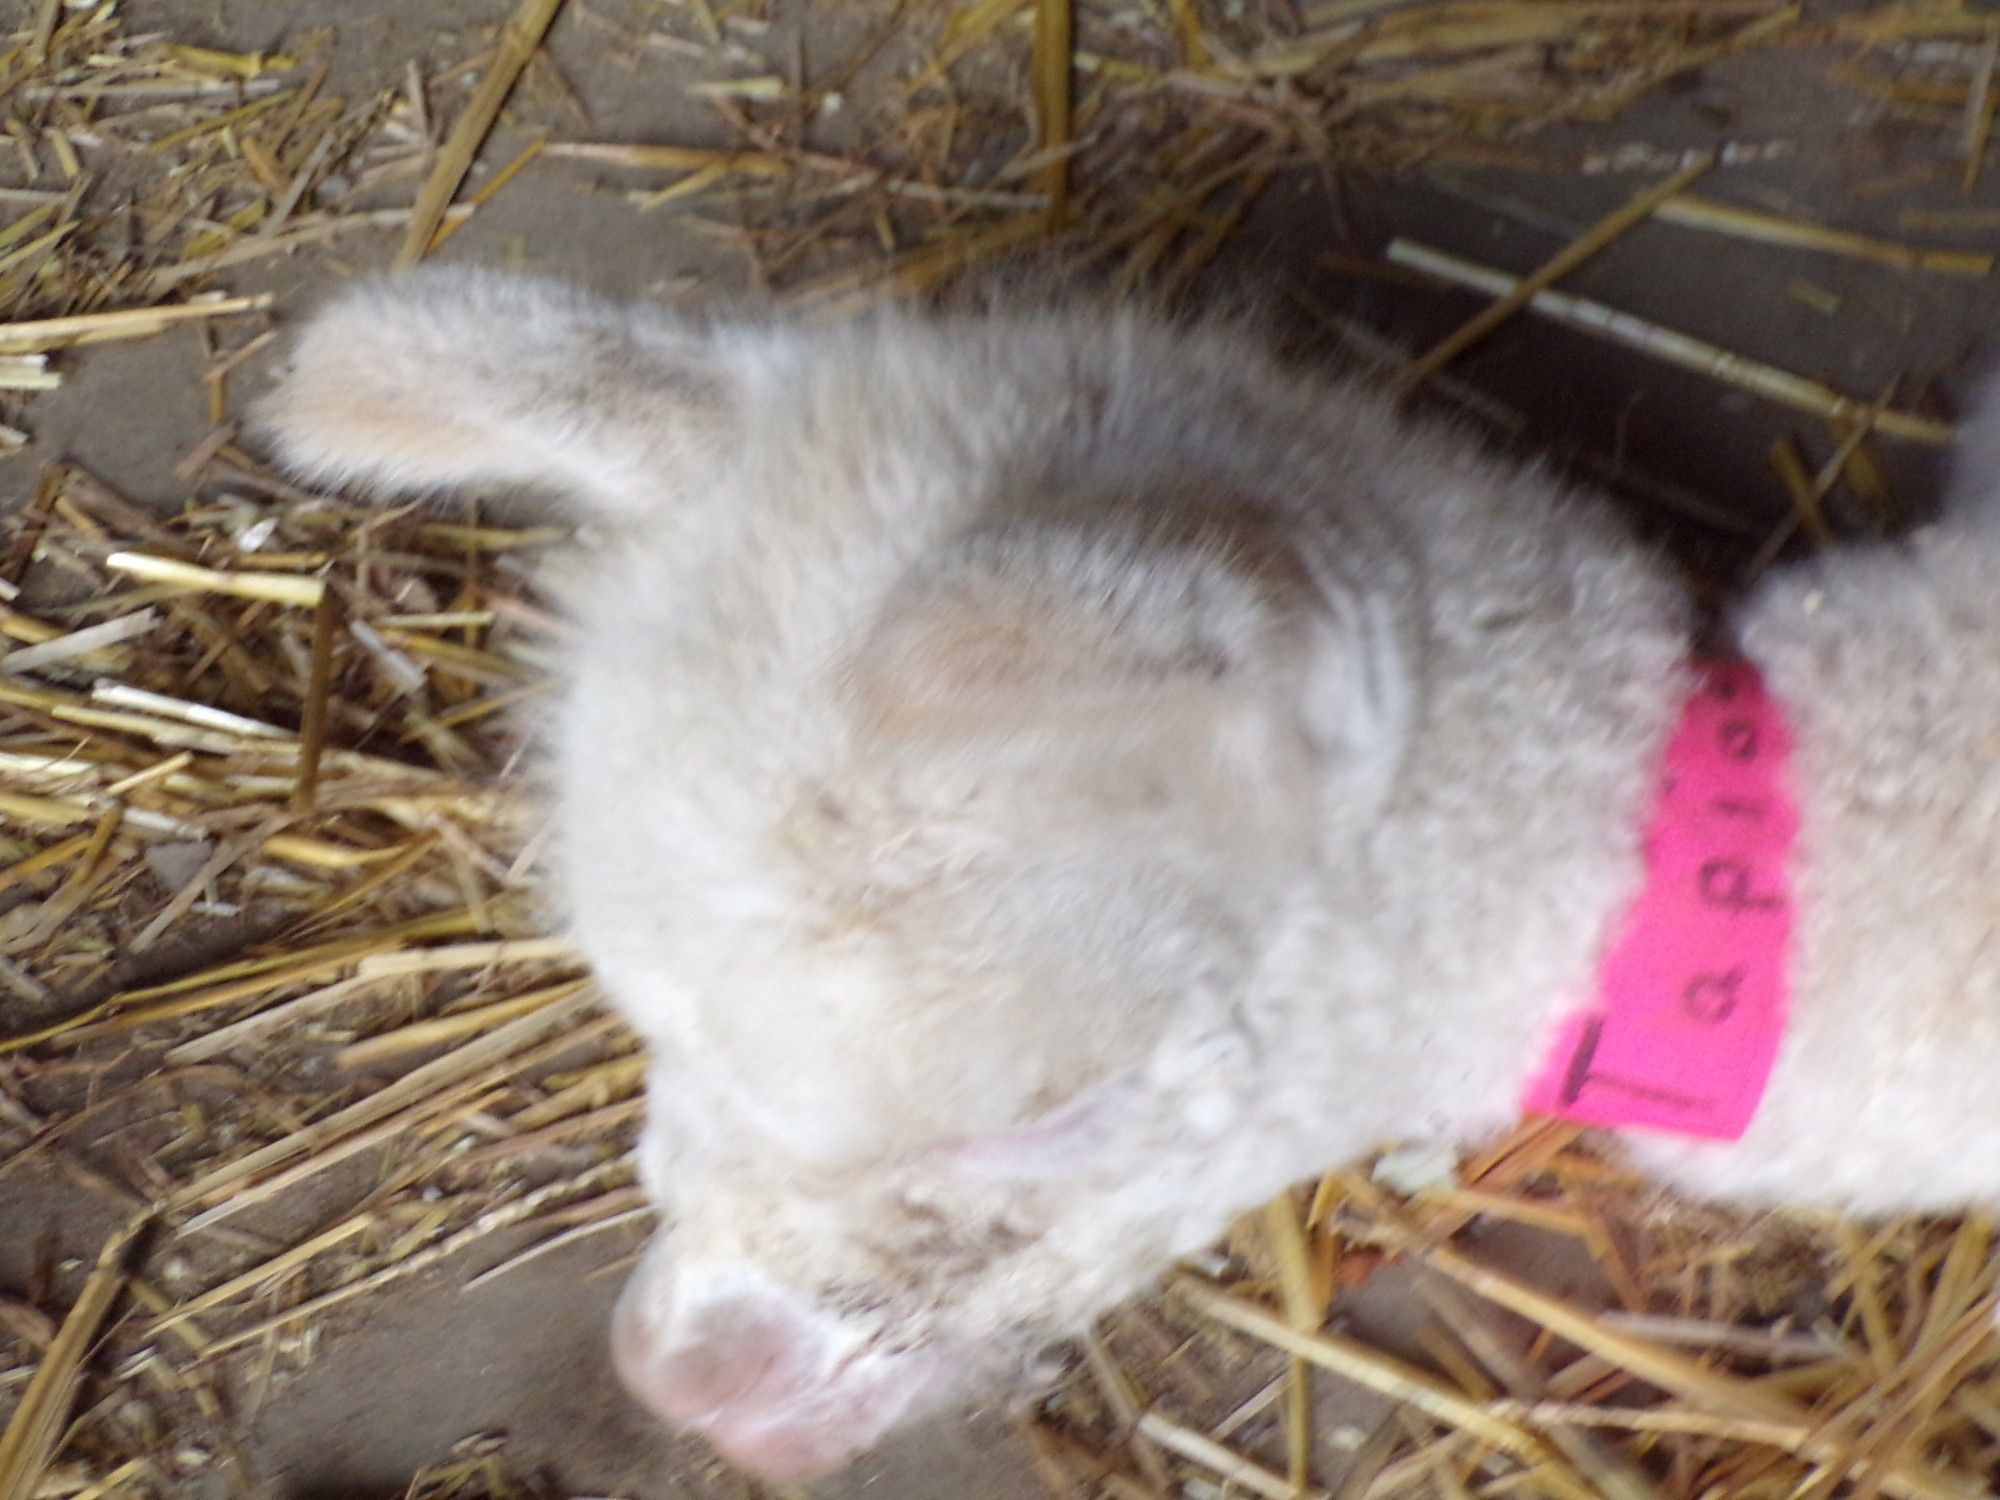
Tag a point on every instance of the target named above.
point(1732, 883)
point(1738, 740)
point(1737, 807)
point(1713, 998)
point(1579, 1075)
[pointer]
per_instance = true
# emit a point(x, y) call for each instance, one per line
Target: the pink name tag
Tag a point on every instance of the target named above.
point(1691, 993)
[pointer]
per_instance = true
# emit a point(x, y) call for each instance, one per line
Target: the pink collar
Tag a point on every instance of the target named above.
point(1691, 991)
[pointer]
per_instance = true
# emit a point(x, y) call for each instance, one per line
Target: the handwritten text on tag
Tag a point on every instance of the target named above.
point(1693, 988)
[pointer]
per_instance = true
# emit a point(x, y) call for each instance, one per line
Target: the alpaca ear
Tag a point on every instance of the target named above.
point(455, 376)
point(1045, 631)
point(1192, 658)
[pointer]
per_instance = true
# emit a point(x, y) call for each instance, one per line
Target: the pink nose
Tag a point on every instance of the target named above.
point(784, 1455)
point(731, 1357)
point(738, 1377)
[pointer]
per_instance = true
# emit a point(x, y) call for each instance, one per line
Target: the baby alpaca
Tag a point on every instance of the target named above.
point(1039, 784)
